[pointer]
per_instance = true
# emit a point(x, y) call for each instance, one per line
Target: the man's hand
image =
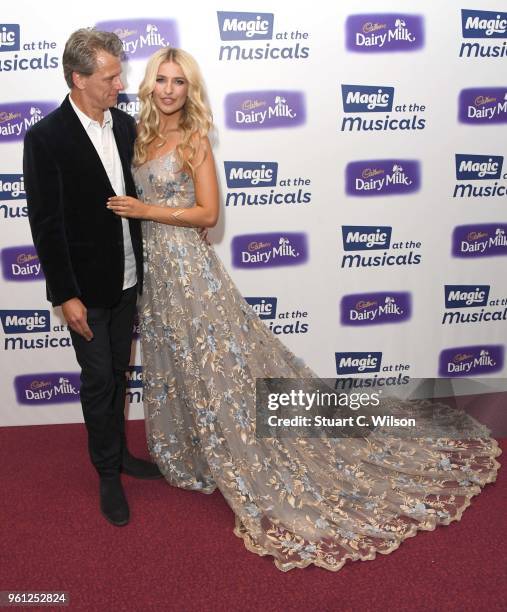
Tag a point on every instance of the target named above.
point(74, 312)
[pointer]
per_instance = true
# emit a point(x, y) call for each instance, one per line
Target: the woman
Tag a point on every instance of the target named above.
point(303, 501)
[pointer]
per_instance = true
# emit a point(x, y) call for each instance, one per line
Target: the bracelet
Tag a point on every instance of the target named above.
point(177, 213)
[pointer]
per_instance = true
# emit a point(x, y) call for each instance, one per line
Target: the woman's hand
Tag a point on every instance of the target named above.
point(126, 206)
point(203, 233)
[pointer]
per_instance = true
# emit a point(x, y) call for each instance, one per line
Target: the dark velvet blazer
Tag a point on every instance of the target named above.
point(78, 240)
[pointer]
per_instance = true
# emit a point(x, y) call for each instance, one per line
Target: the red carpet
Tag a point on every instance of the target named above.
point(179, 552)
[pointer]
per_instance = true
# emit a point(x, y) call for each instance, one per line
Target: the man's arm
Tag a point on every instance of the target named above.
point(45, 213)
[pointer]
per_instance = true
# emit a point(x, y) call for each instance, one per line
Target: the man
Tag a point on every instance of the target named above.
point(74, 160)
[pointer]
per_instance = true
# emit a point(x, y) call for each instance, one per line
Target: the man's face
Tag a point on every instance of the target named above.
point(101, 88)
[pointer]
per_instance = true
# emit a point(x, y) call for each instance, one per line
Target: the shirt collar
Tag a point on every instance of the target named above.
point(88, 121)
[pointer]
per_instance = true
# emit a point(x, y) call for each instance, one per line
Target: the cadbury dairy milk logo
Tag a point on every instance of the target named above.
point(25, 321)
point(471, 360)
point(478, 167)
point(481, 240)
point(269, 250)
point(9, 37)
point(21, 264)
point(264, 307)
point(389, 32)
point(483, 105)
point(483, 24)
point(466, 296)
point(142, 37)
point(240, 174)
point(134, 377)
point(366, 237)
point(357, 363)
point(50, 388)
point(253, 110)
point(367, 98)
point(382, 177)
point(375, 308)
point(245, 26)
point(17, 117)
point(129, 103)
point(12, 187)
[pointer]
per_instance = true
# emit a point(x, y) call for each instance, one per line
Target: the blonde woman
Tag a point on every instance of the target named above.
point(302, 501)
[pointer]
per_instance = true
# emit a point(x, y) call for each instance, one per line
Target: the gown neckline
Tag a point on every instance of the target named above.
point(166, 154)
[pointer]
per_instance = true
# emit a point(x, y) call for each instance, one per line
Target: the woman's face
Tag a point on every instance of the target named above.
point(171, 89)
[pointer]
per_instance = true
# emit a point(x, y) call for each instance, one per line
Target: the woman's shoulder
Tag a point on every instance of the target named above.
point(200, 148)
point(199, 141)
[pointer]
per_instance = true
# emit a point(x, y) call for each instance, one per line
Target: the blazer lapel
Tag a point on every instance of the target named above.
point(124, 146)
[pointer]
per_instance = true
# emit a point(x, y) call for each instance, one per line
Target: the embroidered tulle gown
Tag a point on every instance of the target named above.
point(303, 501)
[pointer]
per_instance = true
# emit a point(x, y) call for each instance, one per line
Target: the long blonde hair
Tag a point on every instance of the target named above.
point(196, 119)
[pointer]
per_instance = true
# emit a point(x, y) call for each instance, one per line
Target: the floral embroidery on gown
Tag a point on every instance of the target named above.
point(303, 501)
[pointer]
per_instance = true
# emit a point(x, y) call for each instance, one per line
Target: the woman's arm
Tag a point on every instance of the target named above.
point(203, 214)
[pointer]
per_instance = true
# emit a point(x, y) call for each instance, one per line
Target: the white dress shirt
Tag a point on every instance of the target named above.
point(103, 140)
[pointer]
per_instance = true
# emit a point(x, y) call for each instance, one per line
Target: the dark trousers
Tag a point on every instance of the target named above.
point(103, 362)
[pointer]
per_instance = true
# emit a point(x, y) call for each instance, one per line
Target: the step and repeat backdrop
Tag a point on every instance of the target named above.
point(360, 152)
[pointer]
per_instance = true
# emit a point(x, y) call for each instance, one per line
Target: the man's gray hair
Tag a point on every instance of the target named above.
point(80, 53)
